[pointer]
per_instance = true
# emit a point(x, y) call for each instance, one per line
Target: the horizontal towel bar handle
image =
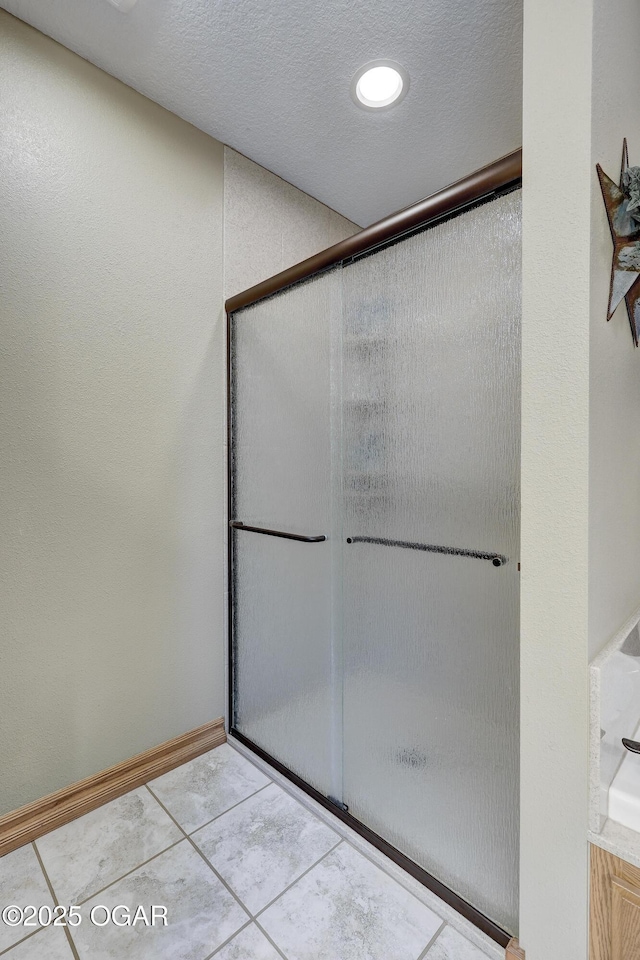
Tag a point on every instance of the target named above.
point(238, 525)
point(497, 559)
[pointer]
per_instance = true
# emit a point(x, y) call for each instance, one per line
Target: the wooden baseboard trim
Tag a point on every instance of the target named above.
point(40, 817)
point(514, 950)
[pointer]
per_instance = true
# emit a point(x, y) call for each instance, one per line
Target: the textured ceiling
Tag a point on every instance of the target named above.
point(271, 79)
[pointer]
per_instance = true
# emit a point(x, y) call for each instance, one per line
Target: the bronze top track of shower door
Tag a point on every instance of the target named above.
point(496, 178)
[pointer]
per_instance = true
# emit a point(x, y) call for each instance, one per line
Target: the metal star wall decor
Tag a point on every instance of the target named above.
point(623, 212)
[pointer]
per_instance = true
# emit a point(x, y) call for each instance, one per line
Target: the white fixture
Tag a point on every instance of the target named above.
point(379, 84)
point(624, 792)
point(123, 5)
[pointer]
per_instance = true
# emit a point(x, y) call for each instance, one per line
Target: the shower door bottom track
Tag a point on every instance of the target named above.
point(447, 895)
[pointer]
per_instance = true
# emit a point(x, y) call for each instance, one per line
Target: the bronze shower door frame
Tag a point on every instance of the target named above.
point(483, 185)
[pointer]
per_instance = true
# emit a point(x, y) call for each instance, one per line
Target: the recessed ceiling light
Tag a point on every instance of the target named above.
point(379, 84)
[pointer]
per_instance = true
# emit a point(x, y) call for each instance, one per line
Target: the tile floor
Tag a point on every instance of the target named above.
point(245, 872)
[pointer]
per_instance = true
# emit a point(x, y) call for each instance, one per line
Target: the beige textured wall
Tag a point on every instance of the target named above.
point(111, 420)
point(580, 438)
point(112, 479)
point(270, 224)
point(557, 190)
point(614, 413)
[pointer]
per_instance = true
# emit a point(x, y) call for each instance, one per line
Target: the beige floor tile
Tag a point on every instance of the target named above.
point(93, 851)
point(201, 913)
point(49, 944)
point(264, 844)
point(349, 909)
point(22, 883)
point(250, 944)
point(205, 787)
point(451, 945)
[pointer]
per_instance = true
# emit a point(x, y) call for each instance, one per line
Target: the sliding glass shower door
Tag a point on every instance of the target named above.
point(431, 508)
point(284, 454)
point(374, 544)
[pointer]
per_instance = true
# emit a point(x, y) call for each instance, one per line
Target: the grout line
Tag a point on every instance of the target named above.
point(253, 917)
point(71, 943)
point(365, 854)
point(201, 854)
point(32, 933)
point(344, 839)
point(185, 836)
point(250, 923)
point(434, 911)
point(293, 882)
point(432, 941)
point(220, 878)
point(56, 901)
point(228, 940)
point(46, 875)
point(285, 785)
point(128, 873)
point(20, 942)
point(267, 937)
point(217, 817)
point(426, 897)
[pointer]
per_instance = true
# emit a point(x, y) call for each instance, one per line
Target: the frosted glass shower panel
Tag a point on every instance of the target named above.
point(281, 411)
point(431, 369)
point(282, 631)
point(377, 406)
point(281, 407)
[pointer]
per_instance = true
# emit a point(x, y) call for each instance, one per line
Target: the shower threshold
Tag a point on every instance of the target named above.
point(444, 893)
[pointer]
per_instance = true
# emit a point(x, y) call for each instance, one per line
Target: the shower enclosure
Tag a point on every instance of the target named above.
point(374, 535)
